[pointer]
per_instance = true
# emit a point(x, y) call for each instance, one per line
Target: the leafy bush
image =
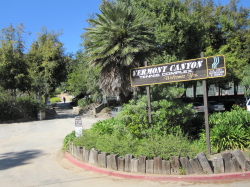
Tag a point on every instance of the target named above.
point(54, 100)
point(57, 91)
point(166, 146)
point(166, 115)
point(237, 116)
point(163, 146)
point(84, 102)
point(130, 133)
point(18, 107)
point(69, 138)
point(196, 126)
point(229, 130)
point(88, 139)
point(108, 126)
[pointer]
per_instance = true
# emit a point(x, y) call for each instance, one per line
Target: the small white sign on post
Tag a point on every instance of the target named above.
point(78, 126)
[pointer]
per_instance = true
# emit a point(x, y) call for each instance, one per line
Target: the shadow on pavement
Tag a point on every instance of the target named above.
point(64, 110)
point(14, 159)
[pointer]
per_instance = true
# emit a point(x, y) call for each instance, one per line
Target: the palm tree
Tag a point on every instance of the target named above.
point(118, 39)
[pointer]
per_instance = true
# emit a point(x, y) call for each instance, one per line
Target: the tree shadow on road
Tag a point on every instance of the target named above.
point(63, 110)
point(14, 159)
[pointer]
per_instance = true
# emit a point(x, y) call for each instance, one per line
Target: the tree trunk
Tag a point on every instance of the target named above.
point(45, 98)
point(235, 89)
point(194, 90)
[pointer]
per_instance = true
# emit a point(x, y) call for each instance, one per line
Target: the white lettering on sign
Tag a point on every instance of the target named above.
point(163, 70)
point(216, 72)
point(149, 71)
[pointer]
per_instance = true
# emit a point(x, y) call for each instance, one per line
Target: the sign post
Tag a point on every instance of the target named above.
point(194, 69)
point(149, 100)
point(78, 126)
point(204, 84)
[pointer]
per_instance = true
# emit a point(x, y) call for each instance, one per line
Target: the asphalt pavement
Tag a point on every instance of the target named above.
point(30, 155)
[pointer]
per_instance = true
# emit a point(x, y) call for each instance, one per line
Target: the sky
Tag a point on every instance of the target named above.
point(66, 16)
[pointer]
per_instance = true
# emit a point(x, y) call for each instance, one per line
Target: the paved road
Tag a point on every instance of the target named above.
point(30, 155)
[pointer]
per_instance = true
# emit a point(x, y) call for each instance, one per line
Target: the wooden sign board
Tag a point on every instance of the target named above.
point(195, 69)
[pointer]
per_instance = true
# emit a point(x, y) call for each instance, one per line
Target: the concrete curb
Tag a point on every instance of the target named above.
point(187, 178)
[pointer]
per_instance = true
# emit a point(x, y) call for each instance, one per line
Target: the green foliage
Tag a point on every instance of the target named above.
point(13, 67)
point(105, 127)
point(175, 29)
point(69, 138)
point(88, 139)
point(230, 130)
point(167, 116)
point(166, 146)
point(58, 91)
point(134, 116)
point(237, 116)
point(117, 40)
point(54, 100)
point(83, 78)
point(47, 63)
point(196, 126)
point(84, 102)
point(182, 171)
point(246, 80)
point(163, 146)
point(18, 107)
point(228, 34)
point(130, 133)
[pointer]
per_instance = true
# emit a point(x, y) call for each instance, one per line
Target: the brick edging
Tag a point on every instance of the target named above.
point(161, 177)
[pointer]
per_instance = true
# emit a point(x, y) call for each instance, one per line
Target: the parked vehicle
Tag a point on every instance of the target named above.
point(242, 101)
point(198, 106)
point(215, 106)
point(248, 105)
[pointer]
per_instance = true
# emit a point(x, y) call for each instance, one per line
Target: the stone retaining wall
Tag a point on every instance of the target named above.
point(229, 162)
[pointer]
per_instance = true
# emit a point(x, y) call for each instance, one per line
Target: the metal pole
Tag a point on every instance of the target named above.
point(149, 100)
point(204, 83)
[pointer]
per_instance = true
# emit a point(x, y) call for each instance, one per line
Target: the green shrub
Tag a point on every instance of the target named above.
point(134, 117)
point(108, 126)
point(88, 139)
point(166, 146)
point(229, 130)
point(130, 133)
point(58, 91)
point(166, 114)
point(84, 102)
point(237, 116)
point(18, 107)
point(228, 137)
point(69, 138)
point(54, 100)
point(163, 146)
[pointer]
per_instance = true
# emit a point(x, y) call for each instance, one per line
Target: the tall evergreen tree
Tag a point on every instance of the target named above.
point(13, 68)
point(118, 40)
point(83, 79)
point(47, 63)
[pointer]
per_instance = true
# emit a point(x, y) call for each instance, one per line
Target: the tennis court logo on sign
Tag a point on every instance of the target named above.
point(216, 62)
